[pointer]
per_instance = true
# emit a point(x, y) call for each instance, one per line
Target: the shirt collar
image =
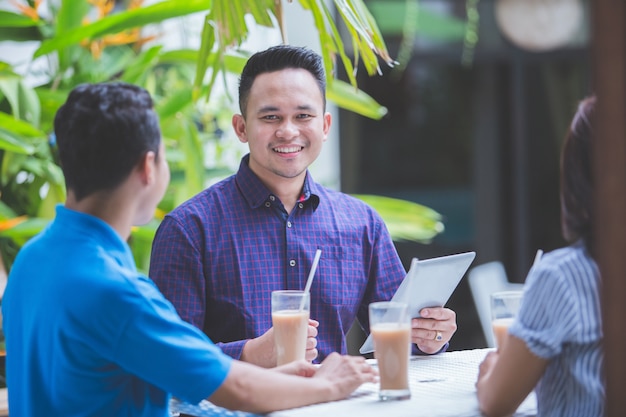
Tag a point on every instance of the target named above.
point(256, 193)
point(69, 220)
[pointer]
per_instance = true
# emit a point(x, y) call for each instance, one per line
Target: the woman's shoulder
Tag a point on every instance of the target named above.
point(565, 270)
point(567, 257)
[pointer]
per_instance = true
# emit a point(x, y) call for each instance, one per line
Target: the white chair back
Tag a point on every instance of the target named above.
point(484, 280)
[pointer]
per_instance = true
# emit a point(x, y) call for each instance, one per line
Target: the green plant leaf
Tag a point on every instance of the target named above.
point(15, 20)
point(369, 40)
point(56, 195)
point(138, 68)
point(122, 21)
point(45, 169)
point(50, 101)
point(173, 104)
point(330, 40)
point(227, 19)
point(140, 243)
point(109, 66)
point(6, 70)
point(24, 231)
point(186, 158)
point(406, 220)
point(20, 34)
point(22, 99)
point(194, 166)
point(19, 127)
point(179, 56)
point(350, 98)
point(29, 103)
point(207, 40)
point(13, 143)
point(6, 212)
point(336, 39)
point(232, 62)
point(9, 86)
point(71, 14)
point(259, 10)
point(145, 232)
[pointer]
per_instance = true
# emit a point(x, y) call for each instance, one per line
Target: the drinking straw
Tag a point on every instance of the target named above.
point(537, 258)
point(309, 281)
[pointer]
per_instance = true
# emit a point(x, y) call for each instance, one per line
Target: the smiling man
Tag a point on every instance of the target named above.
point(219, 256)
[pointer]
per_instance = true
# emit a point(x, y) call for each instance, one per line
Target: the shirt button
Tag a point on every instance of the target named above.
point(272, 198)
point(292, 262)
point(300, 205)
point(288, 224)
point(267, 204)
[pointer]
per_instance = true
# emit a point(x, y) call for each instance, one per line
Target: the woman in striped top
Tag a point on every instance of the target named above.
point(555, 344)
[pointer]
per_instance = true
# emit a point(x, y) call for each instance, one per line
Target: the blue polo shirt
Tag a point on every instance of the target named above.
point(86, 334)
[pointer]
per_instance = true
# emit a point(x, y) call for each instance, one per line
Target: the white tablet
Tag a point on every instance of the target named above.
point(429, 283)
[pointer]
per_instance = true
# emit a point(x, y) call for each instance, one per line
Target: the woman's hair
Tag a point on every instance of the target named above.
point(576, 177)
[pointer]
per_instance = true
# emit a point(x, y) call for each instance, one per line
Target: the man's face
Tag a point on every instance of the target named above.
point(284, 125)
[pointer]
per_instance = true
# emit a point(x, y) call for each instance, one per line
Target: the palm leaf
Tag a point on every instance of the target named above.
point(206, 46)
point(225, 27)
point(122, 21)
point(346, 96)
point(357, 16)
point(406, 220)
point(14, 20)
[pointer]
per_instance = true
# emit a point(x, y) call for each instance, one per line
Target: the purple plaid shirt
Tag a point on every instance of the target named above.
point(218, 257)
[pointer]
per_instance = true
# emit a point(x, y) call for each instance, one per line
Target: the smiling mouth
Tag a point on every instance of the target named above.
point(288, 149)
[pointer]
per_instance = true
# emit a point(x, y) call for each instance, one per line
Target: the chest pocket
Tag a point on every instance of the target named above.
point(342, 276)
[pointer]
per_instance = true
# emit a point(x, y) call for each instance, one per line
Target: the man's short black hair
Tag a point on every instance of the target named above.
point(102, 132)
point(278, 58)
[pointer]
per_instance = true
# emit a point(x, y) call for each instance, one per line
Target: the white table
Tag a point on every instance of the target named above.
point(441, 386)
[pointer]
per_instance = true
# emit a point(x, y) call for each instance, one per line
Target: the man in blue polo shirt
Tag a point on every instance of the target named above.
point(86, 334)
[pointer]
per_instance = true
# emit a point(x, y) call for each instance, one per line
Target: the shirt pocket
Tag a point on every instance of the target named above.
point(342, 276)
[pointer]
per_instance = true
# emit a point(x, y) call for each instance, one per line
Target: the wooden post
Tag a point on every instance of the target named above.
point(609, 149)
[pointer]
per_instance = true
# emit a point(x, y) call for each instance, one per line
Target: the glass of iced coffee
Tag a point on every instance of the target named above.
point(504, 308)
point(290, 318)
point(390, 326)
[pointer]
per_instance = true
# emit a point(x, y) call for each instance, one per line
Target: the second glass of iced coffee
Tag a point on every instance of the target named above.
point(390, 326)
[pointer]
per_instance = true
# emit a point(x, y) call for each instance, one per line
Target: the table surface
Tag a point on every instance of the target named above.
point(441, 386)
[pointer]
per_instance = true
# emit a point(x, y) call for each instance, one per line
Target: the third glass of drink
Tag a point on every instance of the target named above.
point(390, 326)
point(504, 308)
point(290, 318)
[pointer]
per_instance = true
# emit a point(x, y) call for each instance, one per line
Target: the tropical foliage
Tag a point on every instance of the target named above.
point(78, 41)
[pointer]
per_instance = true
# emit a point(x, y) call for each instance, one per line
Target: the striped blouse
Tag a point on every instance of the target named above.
point(560, 320)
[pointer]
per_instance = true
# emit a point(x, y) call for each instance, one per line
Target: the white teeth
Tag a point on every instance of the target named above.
point(288, 150)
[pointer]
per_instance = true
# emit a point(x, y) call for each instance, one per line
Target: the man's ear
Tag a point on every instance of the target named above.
point(328, 119)
point(146, 167)
point(239, 126)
